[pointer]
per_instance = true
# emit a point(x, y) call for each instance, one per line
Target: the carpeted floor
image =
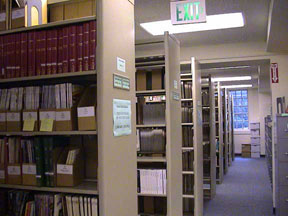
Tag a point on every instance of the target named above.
point(245, 191)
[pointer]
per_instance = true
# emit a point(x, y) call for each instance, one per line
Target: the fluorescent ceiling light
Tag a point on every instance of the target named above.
point(221, 21)
point(239, 78)
point(237, 86)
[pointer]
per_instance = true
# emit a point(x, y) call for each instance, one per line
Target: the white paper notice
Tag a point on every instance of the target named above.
point(121, 65)
point(121, 117)
point(29, 115)
point(48, 115)
point(2, 174)
point(13, 117)
point(29, 169)
point(2, 117)
point(63, 116)
point(14, 170)
point(65, 169)
point(175, 84)
point(86, 111)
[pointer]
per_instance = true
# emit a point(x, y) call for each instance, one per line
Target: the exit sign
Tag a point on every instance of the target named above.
point(190, 11)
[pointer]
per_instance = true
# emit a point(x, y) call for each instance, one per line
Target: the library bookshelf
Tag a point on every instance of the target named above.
point(158, 97)
point(192, 138)
point(226, 129)
point(110, 161)
point(209, 136)
point(219, 134)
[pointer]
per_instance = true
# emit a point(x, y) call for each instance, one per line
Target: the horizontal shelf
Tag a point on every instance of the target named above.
point(187, 148)
point(188, 196)
point(187, 99)
point(150, 126)
point(151, 159)
point(89, 188)
point(187, 124)
point(188, 172)
point(152, 195)
point(47, 77)
point(49, 25)
point(53, 133)
point(187, 74)
point(186, 79)
point(151, 92)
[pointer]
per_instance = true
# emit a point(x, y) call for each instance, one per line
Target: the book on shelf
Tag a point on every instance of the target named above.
point(70, 48)
point(152, 205)
point(187, 115)
point(187, 136)
point(188, 160)
point(150, 80)
point(152, 181)
point(186, 90)
point(205, 98)
point(152, 141)
point(188, 184)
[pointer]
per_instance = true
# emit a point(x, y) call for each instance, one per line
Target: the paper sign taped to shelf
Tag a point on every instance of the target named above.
point(175, 84)
point(29, 125)
point(29, 115)
point(175, 96)
point(2, 117)
point(29, 169)
point(121, 64)
point(121, 117)
point(13, 117)
point(64, 169)
point(121, 82)
point(48, 115)
point(2, 174)
point(63, 116)
point(14, 170)
point(46, 125)
point(86, 111)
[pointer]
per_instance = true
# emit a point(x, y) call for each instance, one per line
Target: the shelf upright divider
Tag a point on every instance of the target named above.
point(226, 131)
point(117, 158)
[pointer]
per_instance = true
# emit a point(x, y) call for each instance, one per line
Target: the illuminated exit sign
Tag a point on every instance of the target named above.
point(190, 11)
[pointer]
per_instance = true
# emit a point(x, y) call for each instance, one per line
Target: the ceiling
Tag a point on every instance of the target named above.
point(255, 12)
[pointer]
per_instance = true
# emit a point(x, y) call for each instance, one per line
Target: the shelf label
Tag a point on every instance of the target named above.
point(46, 125)
point(63, 116)
point(121, 64)
point(64, 169)
point(14, 170)
point(86, 111)
point(175, 84)
point(121, 117)
point(2, 174)
point(13, 117)
point(175, 96)
point(29, 169)
point(29, 125)
point(121, 82)
point(2, 117)
point(30, 115)
point(48, 115)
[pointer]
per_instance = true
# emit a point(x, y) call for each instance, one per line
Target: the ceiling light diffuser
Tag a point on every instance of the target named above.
point(237, 86)
point(238, 78)
point(214, 22)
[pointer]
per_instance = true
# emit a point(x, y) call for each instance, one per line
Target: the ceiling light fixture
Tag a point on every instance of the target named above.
point(220, 21)
point(238, 78)
point(237, 86)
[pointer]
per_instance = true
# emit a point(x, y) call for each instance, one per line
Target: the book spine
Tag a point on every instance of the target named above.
point(39, 154)
point(17, 55)
point(12, 55)
point(43, 52)
point(60, 51)
point(49, 51)
point(86, 46)
point(80, 47)
point(2, 74)
point(52, 172)
point(31, 53)
point(38, 52)
point(54, 51)
point(24, 54)
point(7, 56)
point(72, 48)
point(46, 162)
point(65, 50)
point(92, 46)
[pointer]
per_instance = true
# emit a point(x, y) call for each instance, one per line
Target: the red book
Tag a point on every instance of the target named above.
point(1, 59)
point(92, 46)
point(79, 48)
point(18, 55)
point(72, 48)
point(12, 55)
point(60, 51)
point(31, 53)
point(86, 46)
point(54, 51)
point(43, 52)
point(24, 54)
point(65, 54)
point(5, 55)
point(49, 51)
point(38, 53)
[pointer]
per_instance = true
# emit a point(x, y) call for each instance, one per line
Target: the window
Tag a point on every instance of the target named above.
point(240, 109)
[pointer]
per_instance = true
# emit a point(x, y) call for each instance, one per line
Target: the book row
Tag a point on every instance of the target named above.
point(151, 141)
point(152, 181)
point(150, 113)
point(188, 184)
point(65, 49)
point(188, 160)
point(186, 90)
point(22, 203)
point(40, 161)
point(152, 205)
point(63, 107)
point(187, 136)
point(187, 114)
point(150, 80)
